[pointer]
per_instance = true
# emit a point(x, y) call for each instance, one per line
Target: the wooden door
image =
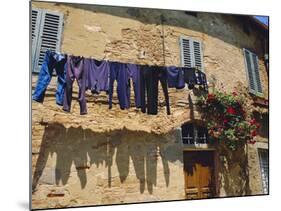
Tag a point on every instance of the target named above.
point(199, 174)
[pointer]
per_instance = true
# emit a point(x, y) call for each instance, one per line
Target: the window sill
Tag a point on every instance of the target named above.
point(260, 101)
point(187, 147)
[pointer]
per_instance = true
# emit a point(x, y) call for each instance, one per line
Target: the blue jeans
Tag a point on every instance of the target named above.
point(52, 61)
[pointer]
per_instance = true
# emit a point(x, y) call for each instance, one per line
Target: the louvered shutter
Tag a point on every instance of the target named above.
point(49, 36)
point(264, 167)
point(197, 52)
point(35, 26)
point(256, 73)
point(251, 62)
point(191, 53)
point(249, 71)
point(186, 56)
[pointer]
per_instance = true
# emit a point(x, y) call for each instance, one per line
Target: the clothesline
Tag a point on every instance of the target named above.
point(100, 75)
point(105, 59)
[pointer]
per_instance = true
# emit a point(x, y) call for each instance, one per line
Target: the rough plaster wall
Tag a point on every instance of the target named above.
point(79, 167)
point(233, 172)
point(253, 157)
point(61, 142)
point(254, 170)
point(135, 36)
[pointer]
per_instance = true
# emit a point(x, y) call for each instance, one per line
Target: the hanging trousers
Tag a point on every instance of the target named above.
point(149, 78)
point(189, 77)
point(118, 72)
point(134, 74)
point(51, 61)
point(75, 70)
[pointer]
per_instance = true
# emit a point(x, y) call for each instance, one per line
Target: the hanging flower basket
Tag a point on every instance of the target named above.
point(227, 119)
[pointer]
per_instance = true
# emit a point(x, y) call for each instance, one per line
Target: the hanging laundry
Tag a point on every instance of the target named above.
point(194, 77)
point(201, 80)
point(52, 60)
point(175, 77)
point(189, 77)
point(98, 75)
point(134, 74)
point(119, 73)
point(75, 70)
point(149, 78)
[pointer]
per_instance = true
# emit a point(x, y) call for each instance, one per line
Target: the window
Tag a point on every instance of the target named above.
point(251, 62)
point(194, 134)
point(191, 53)
point(263, 155)
point(46, 30)
point(263, 120)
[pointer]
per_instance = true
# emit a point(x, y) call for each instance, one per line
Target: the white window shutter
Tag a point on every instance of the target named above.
point(257, 73)
point(191, 53)
point(186, 55)
point(35, 26)
point(198, 56)
point(49, 36)
point(251, 62)
point(250, 74)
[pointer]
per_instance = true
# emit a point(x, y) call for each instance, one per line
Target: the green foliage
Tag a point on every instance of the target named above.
point(227, 119)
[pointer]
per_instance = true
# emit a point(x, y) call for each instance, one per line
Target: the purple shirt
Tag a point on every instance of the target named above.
point(98, 75)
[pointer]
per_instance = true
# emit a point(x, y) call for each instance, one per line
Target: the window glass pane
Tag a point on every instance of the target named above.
point(194, 134)
point(263, 154)
point(187, 133)
point(202, 135)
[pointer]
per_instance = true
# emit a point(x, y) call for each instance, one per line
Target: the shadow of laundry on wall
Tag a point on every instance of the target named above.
point(82, 151)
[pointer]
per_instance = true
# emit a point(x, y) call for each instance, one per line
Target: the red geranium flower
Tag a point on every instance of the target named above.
point(258, 125)
point(254, 133)
point(231, 110)
point(210, 97)
point(253, 121)
point(234, 93)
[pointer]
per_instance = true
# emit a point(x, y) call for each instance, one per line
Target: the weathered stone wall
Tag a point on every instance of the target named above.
point(233, 172)
point(115, 156)
point(80, 167)
point(105, 157)
point(253, 155)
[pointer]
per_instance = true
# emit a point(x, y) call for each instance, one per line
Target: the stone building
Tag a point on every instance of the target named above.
point(124, 156)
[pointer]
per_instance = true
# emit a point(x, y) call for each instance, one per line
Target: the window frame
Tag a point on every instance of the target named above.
point(260, 151)
point(254, 90)
point(36, 46)
point(196, 144)
point(192, 53)
point(34, 42)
